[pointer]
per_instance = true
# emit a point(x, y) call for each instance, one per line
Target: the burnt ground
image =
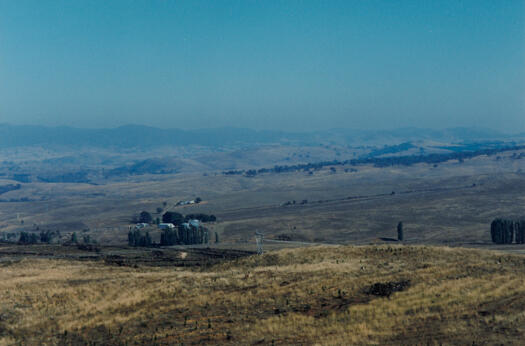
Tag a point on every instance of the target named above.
point(122, 256)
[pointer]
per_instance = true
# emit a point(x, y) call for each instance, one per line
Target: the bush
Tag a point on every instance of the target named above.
point(145, 217)
point(172, 217)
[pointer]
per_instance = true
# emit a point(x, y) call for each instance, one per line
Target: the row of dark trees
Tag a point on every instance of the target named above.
point(201, 217)
point(174, 217)
point(33, 238)
point(186, 234)
point(406, 160)
point(504, 231)
point(178, 219)
point(28, 238)
point(137, 238)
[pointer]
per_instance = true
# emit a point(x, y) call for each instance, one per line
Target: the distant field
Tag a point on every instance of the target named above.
point(395, 295)
point(451, 204)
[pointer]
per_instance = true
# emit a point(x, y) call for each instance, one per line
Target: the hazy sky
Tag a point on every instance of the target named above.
point(263, 64)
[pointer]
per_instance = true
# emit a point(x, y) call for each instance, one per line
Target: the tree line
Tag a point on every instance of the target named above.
point(504, 231)
point(186, 231)
point(33, 238)
point(177, 218)
point(48, 237)
point(406, 160)
point(137, 238)
point(173, 217)
point(186, 234)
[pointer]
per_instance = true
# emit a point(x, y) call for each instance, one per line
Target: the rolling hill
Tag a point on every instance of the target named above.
point(336, 295)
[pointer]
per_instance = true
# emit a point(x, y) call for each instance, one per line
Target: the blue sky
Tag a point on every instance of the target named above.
point(293, 65)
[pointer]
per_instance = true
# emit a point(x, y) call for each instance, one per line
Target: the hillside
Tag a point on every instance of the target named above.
point(138, 136)
point(321, 295)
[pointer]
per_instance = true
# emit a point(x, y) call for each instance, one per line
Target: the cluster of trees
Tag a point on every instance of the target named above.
point(71, 177)
point(47, 237)
point(392, 149)
point(504, 231)
point(406, 160)
point(185, 234)
point(177, 218)
point(304, 201)
point(145, 217)
point(137, 238)
point(33, 238)
point(9, 237)
point(28, 238)
point(174, 218)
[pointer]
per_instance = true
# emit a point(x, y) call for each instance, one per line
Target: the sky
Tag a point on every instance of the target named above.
point(290, 65)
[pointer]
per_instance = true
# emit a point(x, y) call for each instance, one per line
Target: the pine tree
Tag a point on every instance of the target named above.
point(400, 231)
point(131, 238)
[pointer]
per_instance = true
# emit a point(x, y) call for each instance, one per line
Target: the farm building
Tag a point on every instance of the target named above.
point(166, 226)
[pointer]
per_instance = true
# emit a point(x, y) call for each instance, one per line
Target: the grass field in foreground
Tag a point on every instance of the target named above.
point(316, 295)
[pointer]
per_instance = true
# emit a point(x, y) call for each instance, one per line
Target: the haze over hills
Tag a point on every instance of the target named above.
point(133, 136)
point(80, 155)
point(262, 172)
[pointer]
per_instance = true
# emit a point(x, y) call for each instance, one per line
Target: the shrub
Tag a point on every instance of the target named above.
point(172, 217)
point(145, 217)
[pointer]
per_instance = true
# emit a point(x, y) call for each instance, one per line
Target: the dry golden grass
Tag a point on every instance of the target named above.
point(300, 296)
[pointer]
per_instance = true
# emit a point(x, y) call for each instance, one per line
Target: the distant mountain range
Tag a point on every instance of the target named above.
point(131, 136)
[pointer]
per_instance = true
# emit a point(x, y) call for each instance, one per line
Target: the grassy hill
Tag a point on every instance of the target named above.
point(317, 295)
